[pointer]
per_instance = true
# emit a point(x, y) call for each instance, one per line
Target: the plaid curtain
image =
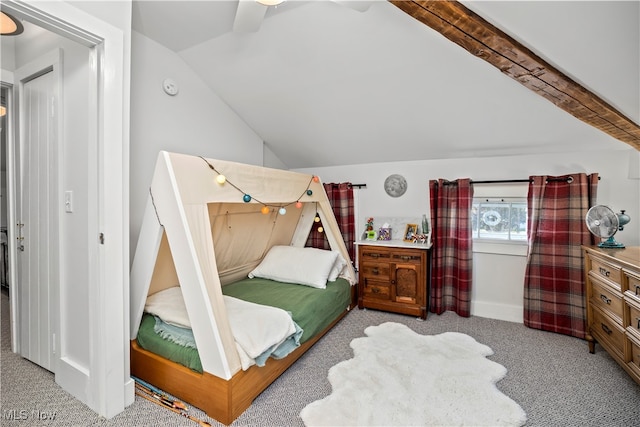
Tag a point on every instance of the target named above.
point(554, 294)
point(341, 200)
point(451, 255)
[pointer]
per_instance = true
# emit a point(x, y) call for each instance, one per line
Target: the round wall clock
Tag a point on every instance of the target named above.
point(395, 185)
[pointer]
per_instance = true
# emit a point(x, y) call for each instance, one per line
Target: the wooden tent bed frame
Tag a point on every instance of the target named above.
point(220, 399)
point(176, 246)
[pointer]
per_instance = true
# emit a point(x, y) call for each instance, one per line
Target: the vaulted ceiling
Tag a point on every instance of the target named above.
point(325, 84)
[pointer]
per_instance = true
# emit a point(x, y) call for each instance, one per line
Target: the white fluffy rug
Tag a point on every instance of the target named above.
point(400, 378)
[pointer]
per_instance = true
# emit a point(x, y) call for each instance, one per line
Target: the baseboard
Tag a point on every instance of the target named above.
point(507, 312)
point(73, 378)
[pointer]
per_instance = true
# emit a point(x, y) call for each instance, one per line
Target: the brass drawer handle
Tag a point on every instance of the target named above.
point(605, 299)
point(374, 255)
point(375, 271)
point(375, 290)
point(638, 319)
point(637, 289)
point(606, 329)
point(604, 271)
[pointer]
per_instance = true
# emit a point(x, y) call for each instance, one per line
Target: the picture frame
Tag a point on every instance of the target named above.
point(409, 231)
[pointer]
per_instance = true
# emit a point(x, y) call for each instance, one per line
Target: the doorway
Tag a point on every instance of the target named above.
point(88, 338)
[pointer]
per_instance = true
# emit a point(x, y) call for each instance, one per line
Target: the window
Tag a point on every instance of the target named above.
point(499, 220)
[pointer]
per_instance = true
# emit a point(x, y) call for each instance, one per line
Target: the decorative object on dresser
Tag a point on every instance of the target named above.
point(398, 377)
point(612, 278)
point(393, 276)
point(410, 231)
point(604, 223)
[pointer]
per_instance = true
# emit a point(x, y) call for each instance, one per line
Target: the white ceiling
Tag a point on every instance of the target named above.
point(326, 85)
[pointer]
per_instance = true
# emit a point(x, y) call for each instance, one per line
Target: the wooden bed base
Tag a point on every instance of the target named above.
point(223, 400)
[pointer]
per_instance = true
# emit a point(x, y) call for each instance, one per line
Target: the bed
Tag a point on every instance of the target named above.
point(176, 367)
point(226, 400)
point(214, 240)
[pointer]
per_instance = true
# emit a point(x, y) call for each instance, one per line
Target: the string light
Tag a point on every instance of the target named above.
point(320, 229)
point(246, 197)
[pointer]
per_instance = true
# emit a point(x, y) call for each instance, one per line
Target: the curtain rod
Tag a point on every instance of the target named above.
point(509, 181)
point(335, 184)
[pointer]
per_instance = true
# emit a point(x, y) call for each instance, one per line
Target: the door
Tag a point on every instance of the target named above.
point(37, 210)
point(407, 278)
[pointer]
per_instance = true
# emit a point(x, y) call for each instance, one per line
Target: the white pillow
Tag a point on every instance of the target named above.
point(304, 266)
point(169, 305)
point(337, 268)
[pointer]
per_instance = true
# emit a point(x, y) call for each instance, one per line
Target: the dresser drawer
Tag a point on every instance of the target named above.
point(376, 290)
point(608, 299)
point(608, 332)
point(406, 258)
point(375, 271)
point(635, 354)
point(375, 254)
point(634, 286)
point(634, 320)
point(603, 269)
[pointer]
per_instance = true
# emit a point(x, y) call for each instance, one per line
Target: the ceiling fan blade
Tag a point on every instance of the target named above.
point(359, 5)
point(249, 16)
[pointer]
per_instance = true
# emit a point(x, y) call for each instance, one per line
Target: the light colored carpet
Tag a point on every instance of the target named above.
point(400, 378)
point(553, 377)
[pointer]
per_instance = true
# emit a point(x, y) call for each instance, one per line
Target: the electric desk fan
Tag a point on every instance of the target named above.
point(604, 223)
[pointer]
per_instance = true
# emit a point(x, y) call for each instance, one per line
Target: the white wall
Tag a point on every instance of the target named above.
point(195, 121)
point(498, 278)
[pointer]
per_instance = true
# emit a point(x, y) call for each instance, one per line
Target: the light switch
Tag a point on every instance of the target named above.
point(68, 201)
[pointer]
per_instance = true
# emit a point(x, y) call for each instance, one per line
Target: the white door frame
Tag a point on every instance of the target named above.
point(105, 385)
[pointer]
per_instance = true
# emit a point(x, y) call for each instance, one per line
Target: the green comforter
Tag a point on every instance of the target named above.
point(312, 309)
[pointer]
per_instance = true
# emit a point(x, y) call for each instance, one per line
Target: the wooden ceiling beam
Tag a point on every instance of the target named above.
point(470, 31)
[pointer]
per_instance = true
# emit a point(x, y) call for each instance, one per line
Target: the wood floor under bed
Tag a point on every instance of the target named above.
point(223, 400)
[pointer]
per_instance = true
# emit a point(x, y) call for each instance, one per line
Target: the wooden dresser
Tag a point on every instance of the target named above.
point(393, 276)
point(612, 278)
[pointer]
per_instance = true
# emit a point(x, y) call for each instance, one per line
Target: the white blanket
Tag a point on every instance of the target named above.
point(256, 328)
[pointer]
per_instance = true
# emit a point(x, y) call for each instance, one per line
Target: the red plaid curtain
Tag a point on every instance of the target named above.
point(554, 281)
point(451, 255)
point(341, 200)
